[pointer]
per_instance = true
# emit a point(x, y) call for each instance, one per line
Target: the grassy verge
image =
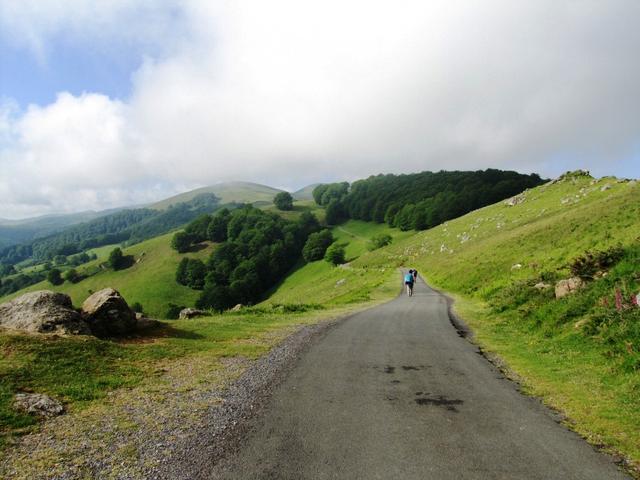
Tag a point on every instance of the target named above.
point(81, 371)
point(568, 374)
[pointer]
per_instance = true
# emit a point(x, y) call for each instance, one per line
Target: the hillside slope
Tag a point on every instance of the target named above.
point(150, 281)
point(579, 353)
point(228, 192)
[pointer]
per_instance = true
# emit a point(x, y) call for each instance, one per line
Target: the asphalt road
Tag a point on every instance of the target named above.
point(396, 393)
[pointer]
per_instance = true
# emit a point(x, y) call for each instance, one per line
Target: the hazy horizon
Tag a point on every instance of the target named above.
point(123, 103)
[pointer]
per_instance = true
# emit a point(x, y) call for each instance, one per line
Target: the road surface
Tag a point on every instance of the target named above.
point(395, 393)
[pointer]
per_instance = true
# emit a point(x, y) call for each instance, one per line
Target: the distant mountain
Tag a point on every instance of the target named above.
point(228, 192)
point(305, 193)
point(24, 230)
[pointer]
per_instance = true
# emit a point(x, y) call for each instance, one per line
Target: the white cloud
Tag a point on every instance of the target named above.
point(286, 92)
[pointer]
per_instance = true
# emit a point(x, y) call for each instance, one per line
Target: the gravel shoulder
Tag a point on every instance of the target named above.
point(176, 425)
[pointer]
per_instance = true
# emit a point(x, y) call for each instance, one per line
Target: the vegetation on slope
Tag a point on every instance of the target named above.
point(150, 281)
point(421, 200)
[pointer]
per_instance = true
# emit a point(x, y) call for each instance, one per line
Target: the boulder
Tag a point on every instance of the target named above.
point(187, 313)
point(43, 311)
point(38, 404)
point(108, 314)
point(516, 200)
point(567, 286)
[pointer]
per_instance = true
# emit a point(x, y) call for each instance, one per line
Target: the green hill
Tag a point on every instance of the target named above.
point(149, 281)
point(579, 353)
point(305, 193)
point(228, 192)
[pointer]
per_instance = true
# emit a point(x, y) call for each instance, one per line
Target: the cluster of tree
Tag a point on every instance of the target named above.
point(256, 250)
point(422, 200)
point(18, 282)
point(332, 196)
point(283, 201)
point(205, 227)
point(191, 272)
point(130, 226)
point(118, 260)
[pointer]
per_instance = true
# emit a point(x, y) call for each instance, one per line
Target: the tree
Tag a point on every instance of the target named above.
point(316, 245)
point(181, 242)
point(72, 276)
point(283, 201)
point(54, 277)
point(217, 230)
point(335, 213)
point(116, 260)
point(335, 254)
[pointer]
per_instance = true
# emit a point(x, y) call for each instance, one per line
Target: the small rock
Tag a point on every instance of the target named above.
point(187, 313)
point(570, 285)
point(516, 200)
point(516, 266)
point(605, 187)
point(38, 404)
point(541, 286)
point(237, 308)
point(341, 282)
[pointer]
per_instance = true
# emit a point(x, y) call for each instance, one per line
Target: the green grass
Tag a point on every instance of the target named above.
point(81, 370)
point(320, 282)
point(150, 282)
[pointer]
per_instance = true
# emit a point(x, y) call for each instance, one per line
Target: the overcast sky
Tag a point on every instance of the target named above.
point(106, 103)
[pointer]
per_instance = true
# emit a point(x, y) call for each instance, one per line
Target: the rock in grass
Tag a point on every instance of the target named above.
point(43, 311)
point(567, 286)
point(38, 404)
point(237, 308)
point(108, 314)
point(187, 313)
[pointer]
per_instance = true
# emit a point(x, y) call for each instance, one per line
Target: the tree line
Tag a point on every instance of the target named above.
point(421, 200)
point(256, 249)
point(130, 226)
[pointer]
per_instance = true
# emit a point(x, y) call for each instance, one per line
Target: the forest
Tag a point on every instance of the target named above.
point(422, 200)
point(256, 250)
point(130, 226)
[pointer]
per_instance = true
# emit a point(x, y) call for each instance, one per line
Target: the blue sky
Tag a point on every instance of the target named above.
point(106, 104)
point(68, 67)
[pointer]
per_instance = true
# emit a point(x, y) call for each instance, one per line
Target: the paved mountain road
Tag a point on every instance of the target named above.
point(395, 393)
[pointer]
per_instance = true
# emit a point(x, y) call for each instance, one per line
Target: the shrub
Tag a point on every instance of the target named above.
point(72, 276)
point(335, 254)
point(316, 245)
point(54, 277)
point(588, 264)
point(181, 242)
point(117, 260)
point(379, 241)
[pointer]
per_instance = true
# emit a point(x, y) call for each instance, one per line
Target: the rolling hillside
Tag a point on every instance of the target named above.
point(150, 281)
point(580, 353)
point(305, 193)
point(228, 192)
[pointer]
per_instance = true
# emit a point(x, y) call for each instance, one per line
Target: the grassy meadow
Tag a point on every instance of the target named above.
point(149, 281)
point(580, 354)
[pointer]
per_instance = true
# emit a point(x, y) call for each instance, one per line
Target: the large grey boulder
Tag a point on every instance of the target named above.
point(43, 311)
point(38, 404)
point(108, 314)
